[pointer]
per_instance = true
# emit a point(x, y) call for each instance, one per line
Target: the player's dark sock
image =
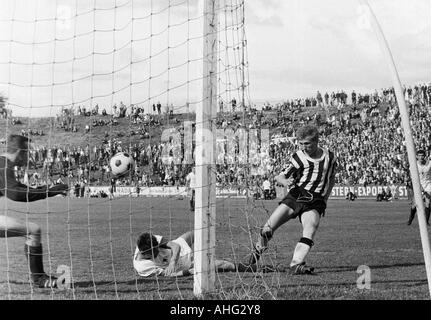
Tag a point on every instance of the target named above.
point(35, 259)
point(412, 215)
point(427, 214)
point(34, 255)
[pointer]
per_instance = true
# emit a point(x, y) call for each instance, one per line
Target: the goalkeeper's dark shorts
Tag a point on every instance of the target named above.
point(301, 201)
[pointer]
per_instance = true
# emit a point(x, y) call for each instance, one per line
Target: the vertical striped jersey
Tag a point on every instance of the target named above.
point(312, 174)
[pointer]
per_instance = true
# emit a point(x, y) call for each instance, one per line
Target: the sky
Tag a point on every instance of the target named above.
point(330, 45)
point(65, 52)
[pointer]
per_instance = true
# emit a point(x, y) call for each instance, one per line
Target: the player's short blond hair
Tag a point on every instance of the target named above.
point(307, 131)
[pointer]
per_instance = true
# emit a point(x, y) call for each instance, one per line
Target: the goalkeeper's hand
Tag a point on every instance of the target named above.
point(171, 270)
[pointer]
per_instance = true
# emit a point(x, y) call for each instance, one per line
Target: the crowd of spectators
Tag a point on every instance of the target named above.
point(365, 134)
point(341, 99)
point(89, 165)
point(137, 115)
point(32, 132)
point(363, 130)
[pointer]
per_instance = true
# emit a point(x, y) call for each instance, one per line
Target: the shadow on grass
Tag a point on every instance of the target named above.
point(166, 280)
point(354, 268)
point(262, 269)
point(412, 283)
point(17, 282)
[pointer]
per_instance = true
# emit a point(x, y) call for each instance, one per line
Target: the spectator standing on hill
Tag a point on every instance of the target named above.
point(326, 99)
point(319, 99)
point(354, 97)
point(191, 186)
point(266, 186)
point(113, 188)
point(233, 102)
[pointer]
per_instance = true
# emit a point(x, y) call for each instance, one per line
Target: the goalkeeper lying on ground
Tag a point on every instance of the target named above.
point(155, 255)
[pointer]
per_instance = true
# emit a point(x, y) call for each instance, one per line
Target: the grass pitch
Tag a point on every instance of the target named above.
point(95, 239)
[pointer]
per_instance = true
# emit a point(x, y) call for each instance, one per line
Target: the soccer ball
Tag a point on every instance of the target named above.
point(121, 164)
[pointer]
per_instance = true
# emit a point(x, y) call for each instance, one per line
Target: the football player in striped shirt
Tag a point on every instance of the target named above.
point(311, 175)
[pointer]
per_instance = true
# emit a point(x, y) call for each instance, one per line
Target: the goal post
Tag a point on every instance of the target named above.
point(411, 152)
point(205, 204)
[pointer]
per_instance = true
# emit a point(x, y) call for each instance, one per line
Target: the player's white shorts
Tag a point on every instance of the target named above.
point(186, 254)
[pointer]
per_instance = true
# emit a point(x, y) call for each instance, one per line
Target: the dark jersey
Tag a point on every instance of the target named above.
point(15, 190)
point(312, 174)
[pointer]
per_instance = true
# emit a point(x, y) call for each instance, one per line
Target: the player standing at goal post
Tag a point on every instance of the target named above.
point(17, 155)
point(312, 172)
point(191, 186)
point(424, 168)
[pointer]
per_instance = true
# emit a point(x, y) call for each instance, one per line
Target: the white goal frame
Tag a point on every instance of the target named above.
point(205, 204)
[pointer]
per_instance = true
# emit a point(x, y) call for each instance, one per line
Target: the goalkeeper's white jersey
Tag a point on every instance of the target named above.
point(147, 268)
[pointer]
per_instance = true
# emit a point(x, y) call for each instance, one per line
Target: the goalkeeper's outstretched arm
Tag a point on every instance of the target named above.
point(17, 191)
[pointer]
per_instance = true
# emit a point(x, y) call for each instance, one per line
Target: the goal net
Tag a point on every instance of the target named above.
point(87, 79)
